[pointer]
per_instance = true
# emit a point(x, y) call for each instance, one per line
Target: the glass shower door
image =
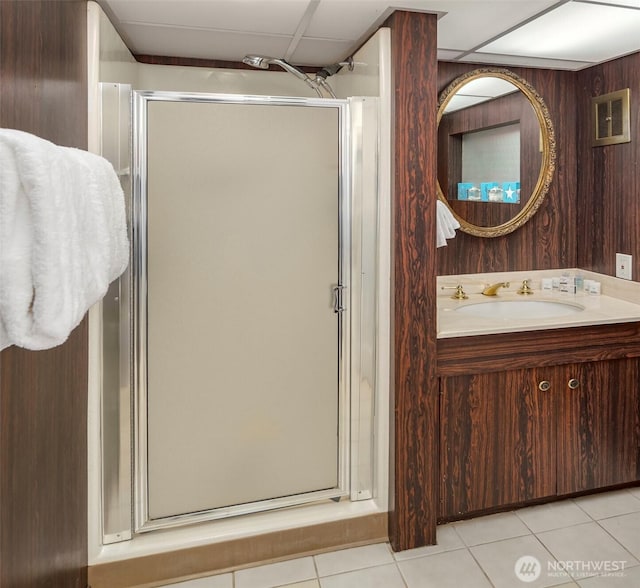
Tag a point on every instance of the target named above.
point(239, 259)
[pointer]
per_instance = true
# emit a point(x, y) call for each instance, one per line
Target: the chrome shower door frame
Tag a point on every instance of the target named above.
point(115, 381)
point(142, 520)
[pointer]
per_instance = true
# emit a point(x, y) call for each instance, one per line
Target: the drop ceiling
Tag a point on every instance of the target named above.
point(571, 34)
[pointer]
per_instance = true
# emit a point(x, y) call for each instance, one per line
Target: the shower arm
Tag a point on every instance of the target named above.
point(316, 84)
point(292, 69)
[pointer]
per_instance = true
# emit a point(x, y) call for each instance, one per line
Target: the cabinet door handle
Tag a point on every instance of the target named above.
point(545, 385)
point(573, 383)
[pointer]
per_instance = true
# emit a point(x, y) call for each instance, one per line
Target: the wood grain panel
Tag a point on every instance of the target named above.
point(608, 179)
point(497, 441)
point(505, 442)
point(414, 465)
point(598, 428)
point(43, 477)
point(548, 240)
point(487, 353)
point(210, 63)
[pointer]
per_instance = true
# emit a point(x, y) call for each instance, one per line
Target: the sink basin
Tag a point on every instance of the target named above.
point(523, 309)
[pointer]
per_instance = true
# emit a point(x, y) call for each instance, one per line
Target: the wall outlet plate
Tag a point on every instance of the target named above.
point(623, 266)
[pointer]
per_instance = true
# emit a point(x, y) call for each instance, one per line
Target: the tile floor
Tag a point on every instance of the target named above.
point(592, 535)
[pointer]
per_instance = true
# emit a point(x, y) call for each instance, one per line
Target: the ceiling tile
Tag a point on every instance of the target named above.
point(258, 16)
point(321, 51)
point(519, 61)
point(358, 19)
point(577, 31)
point(226, 46)
point(446, 55)
point(345, 19)
point(228, 29)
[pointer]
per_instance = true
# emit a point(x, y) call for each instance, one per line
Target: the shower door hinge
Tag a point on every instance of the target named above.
point(338, 305)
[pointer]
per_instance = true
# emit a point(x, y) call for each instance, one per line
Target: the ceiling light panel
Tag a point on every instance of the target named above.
point(469, 24)
point(479, 90)
point(628, 3)
point(487, 86)
point(576, 31)
point(460, 102)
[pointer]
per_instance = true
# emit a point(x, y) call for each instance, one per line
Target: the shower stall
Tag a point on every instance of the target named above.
point(239, 356)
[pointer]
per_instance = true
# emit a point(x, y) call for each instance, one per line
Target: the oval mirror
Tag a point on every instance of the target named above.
point(496, 151)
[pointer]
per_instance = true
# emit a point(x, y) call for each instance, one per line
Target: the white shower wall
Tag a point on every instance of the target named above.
point(110, 61)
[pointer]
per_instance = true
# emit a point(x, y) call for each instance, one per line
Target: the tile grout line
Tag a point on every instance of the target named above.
point(582, 509)
point(620, 543)
point(481, 568)
point(315, 567)
point(597, 522)
point(575, 581)
point(395, 561)
point(404, 580)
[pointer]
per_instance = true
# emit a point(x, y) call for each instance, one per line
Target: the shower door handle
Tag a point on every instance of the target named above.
point(338, 305)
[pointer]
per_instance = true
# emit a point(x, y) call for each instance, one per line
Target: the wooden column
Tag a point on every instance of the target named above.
point(43, 395)
point(414, 421)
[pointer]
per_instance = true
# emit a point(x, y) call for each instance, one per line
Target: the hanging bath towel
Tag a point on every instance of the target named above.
point(446, 224)
point(63, 238)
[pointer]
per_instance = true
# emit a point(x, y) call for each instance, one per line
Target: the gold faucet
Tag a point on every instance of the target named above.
point(493, 289)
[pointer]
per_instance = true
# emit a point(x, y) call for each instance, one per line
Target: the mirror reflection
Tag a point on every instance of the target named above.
point(495, 151)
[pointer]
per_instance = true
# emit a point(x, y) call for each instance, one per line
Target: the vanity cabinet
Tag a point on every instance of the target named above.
point(598, 425)
point(497, 441)
point(519, 435)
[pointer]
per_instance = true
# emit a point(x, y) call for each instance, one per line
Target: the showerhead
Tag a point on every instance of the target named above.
point(264, 62)
point(257, 61)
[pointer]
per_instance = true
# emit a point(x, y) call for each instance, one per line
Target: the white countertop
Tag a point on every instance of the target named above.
point(618, 303)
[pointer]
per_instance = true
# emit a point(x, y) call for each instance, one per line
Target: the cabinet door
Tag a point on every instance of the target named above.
point(598, 425)
point(497, 440)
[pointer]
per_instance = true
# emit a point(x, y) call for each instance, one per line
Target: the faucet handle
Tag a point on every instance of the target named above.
point(459, 293)
point(525, 288)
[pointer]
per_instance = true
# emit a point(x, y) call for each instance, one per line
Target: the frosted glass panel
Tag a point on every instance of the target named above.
point(243, 252)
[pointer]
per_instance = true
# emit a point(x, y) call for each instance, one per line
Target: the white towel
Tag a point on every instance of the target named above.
point(447, 224)
point(63, 238)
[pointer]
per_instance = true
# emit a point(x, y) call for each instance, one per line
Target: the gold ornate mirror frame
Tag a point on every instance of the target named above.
point(548, 146)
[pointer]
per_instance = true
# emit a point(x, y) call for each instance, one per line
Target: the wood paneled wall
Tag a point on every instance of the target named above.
point(608, 178)
point(414, 451)
point(548, 240)
point(43, 446)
